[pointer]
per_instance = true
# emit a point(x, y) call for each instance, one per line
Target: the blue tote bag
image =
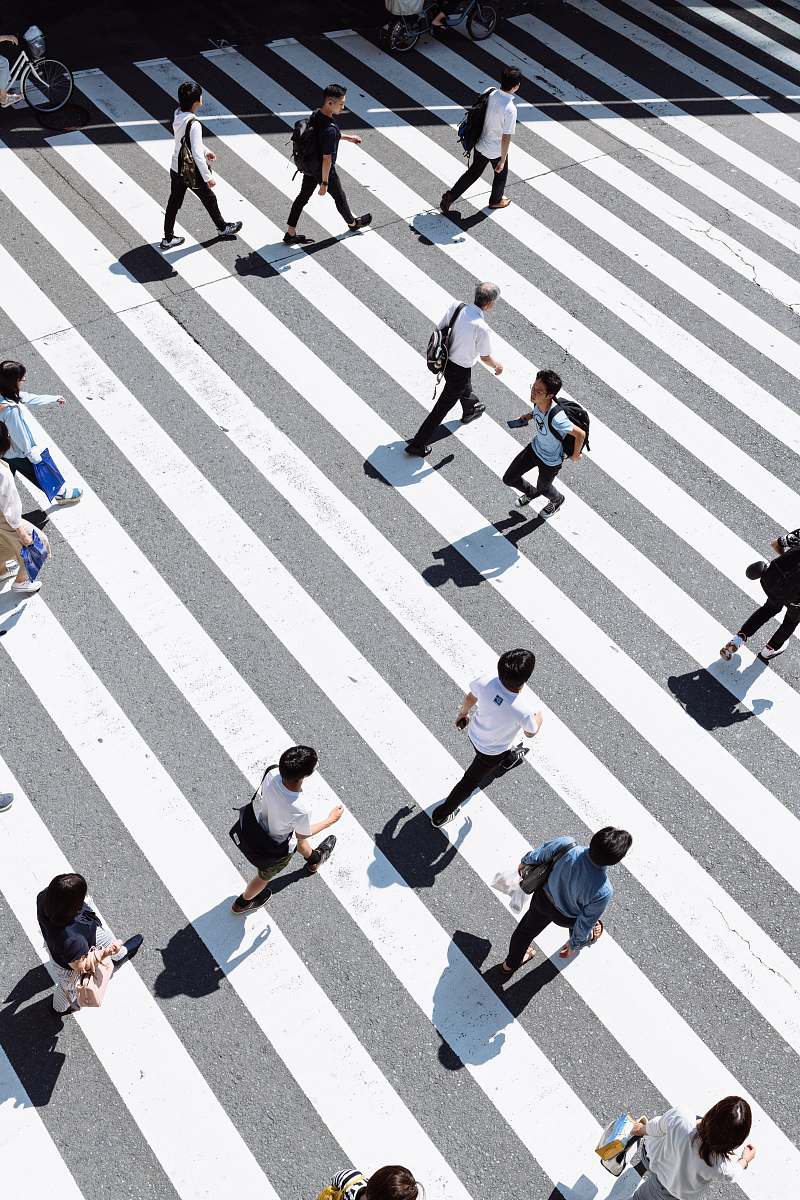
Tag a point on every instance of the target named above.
point(48, 476)
point(35, 555)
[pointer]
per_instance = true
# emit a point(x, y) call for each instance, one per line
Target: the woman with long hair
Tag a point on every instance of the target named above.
point(14, 532)
point(75, 937)
point(24, 452)
point(684, 1155)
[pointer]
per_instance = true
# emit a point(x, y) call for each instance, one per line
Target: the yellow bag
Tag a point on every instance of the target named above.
point(334, 1193)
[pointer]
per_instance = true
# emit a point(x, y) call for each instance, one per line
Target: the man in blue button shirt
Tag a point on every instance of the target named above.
point(576, 894)
point(546, 450)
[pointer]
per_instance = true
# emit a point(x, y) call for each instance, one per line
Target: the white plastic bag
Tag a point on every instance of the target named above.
point(404, 8)
point(507, 882)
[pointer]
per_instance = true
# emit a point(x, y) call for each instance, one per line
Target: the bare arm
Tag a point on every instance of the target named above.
point(496, 366)
point(467, 704)
point(327, 159)
point(580, 438)
point(505, 142)
point(331, 819)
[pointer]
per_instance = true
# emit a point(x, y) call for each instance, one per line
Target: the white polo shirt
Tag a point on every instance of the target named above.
point(501, 117)
point(282, 812)
point(499, 715)
point(470, 337)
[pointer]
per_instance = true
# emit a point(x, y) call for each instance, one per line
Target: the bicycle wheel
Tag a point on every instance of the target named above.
point(481, 22)
point(402, 37)
point(53, 87)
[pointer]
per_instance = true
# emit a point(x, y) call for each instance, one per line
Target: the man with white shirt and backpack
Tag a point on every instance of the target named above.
point(195, 171)
point(496, 708)
point(499, 123)
point(465, 340)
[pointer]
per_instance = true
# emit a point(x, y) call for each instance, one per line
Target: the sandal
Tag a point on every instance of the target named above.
point(526, 958)
point(504, 203)
point(70, 496)
point(729, 649)
point(597, 932)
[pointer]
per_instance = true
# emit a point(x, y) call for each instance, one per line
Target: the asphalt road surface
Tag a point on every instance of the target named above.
point(256, 562)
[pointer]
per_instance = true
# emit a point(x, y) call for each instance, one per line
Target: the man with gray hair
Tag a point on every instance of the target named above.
point(469, 341)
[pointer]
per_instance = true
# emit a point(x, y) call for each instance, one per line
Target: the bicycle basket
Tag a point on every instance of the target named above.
point(404, 8)
point(34, 41)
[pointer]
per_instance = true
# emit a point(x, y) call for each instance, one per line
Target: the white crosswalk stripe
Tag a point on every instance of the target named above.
point(254, 550)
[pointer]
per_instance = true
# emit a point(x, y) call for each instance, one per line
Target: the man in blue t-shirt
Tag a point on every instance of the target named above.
point(546, 450)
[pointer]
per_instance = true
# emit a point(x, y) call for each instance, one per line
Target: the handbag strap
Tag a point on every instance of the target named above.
point(186, 132)
point(451, 323)
point(271, 767)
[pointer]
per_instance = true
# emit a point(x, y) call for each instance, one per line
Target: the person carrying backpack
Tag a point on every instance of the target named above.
point(549, 445)
point(499, 123)
point(315, 144)
point(780, 579)
point(191, 168)
point(387, 1183)
point(467, 341)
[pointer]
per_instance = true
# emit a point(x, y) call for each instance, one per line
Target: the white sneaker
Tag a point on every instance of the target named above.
point(768, 653)
point(27, 588)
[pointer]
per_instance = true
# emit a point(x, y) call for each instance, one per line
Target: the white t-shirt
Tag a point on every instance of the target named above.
point(499, 715)
point(470, 337)
point(501, 117)
point(282, 812)
point(674, 1157)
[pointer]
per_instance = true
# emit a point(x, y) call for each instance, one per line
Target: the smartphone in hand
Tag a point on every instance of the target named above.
point(516, 423)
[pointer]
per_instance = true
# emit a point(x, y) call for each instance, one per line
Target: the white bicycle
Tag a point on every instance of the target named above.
point(46, 83)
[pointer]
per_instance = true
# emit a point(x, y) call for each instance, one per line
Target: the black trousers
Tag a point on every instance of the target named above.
point(525, 461)
point(25, 468)
point(177, 193)
point(457, 386)
point(480, 773)
point(768, 610)
point(307, 188)
point(541, 913)
point(475, 170)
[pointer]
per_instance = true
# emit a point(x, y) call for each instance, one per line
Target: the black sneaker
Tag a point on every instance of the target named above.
point(362, 222)
point(441, 815)
point(553, 506)
point(418, 451)
point(296, 239)
point(473, 415)
point(231, 229)
point(513, 758)
point(524, 500)
point(324, 851)
point(241, 906)
point(171, 243)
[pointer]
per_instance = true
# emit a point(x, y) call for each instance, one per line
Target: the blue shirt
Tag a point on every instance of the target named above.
point(578, 887)
point(545, 444)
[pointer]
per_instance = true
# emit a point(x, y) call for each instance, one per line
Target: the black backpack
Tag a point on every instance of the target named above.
point(578, 416)
point(471, 126)
point(439, 345)
point(781, 580)
point(305, 147)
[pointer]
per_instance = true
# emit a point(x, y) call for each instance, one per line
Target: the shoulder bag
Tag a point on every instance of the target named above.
point(537, 874)
point(92, 987)
point(187, 167)
point(251, 838)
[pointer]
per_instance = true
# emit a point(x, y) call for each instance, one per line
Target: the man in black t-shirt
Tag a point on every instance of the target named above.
point(328, 134)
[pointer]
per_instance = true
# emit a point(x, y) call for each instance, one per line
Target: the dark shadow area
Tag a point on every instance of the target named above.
point(146, 265)
point(29, 1035)
point(189, 967)
point(415, 848)
point(254, 264)
point(451, 568)
point(288, 878)
point(710, 704)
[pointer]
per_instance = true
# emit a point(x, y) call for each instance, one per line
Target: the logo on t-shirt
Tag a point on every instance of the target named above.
point(498, 699)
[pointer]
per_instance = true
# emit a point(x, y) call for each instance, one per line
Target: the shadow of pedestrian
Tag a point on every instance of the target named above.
point(709, 703)
point(146, 264)
point(190, 969)
point(29, 1035)
point(471, 1028)
point(415, 848)
point(487, 546)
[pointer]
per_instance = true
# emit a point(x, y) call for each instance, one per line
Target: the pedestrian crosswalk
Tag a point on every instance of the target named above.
point(256, 562)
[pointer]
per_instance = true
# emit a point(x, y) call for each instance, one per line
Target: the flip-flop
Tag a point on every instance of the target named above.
point(599, 934)
point(527, 956)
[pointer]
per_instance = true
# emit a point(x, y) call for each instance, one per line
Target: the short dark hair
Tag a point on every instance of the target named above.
point(5, 439)
point(609, 846)
point(12, 374)
point(515, 668)
point(297, 762)
point(392, 1183)
point(188, 94)
point(510, 77)
point(334, 91)
point(64, 898)
point(722, 1129)
point(551, 380)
